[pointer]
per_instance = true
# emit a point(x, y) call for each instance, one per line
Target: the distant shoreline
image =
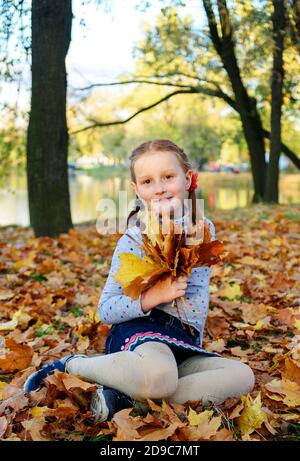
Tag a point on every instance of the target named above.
point(227, 215)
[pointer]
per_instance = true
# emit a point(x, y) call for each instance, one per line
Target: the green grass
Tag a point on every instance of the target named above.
point(39, 277)
point(292, 434)
point(98, 438)
point(295, 216)
point(76, 311)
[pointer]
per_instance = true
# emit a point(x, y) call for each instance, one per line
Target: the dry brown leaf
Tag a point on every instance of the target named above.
point(291, 371)
point(33, 429)
point(71, 381)
point(6, 294)
point(126, 425)
point(161, 434)
point(17, 402)
point(223, 435)
point(17, 357)
point(216, 326)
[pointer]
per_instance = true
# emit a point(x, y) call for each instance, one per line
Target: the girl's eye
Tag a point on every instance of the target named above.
point(147, 181)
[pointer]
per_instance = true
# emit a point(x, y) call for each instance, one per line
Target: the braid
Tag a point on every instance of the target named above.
point(192, 195)
point(133, 212)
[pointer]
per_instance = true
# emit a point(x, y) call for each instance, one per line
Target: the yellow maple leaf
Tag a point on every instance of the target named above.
point(262, 323)
point(252, 415)
point(206, 429)
point(37, 412)
point(198, 418)
point(297, 324)
point(276, 242)
point(2, 386)
point(26, 262)
point(249, 260)
point(231, 291)
point(132, 267)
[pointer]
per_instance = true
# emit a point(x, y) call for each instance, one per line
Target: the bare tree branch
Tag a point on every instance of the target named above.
point(193, 90)
point(97, 123)
point(94, 85)
point(142, 79)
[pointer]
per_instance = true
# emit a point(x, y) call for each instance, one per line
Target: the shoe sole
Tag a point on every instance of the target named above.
point(98, 406)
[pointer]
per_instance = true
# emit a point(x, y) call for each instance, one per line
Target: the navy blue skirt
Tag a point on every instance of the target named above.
point(159, 326)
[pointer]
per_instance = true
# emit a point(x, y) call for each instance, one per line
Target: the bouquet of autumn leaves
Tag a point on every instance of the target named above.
point(173, 253)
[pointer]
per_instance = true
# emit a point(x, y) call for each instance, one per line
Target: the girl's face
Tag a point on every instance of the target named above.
point(161, 182)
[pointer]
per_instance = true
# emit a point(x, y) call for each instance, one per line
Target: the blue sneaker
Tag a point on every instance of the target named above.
point(35, 379)
point(106, 401)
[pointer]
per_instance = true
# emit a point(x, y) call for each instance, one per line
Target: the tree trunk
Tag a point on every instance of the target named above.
point(296, 12)
point(47, 137)
point(278, 19)
point(253, 132)
point(246, 106)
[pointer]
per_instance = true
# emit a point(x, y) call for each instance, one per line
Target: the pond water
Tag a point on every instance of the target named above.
point(219, 191)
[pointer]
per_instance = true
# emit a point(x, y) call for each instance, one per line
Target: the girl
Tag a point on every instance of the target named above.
point(150, 352)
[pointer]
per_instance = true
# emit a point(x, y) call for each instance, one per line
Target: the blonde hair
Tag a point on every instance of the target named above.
point(165, 145)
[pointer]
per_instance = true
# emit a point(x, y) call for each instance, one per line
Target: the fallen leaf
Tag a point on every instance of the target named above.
point(5, 294)
point(231, 291)
point(291, 370)
point(17, 402)
point(161, 434)
point(11, 324)
point(216, 326)
point(205, 430)
point(198, 418)
point(71, 381)
point(216, 346)
point(18, 357)
point(252, 415)
point(126, 425)
point(33, 429)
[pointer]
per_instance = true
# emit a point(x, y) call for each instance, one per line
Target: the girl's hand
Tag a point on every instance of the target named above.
point(172, 288)
point(164, 291)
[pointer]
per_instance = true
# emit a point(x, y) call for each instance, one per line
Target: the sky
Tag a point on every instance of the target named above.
point(104, 48)
point(101, 50)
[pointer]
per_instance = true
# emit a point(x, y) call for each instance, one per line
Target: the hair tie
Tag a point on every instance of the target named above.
point(194, 182)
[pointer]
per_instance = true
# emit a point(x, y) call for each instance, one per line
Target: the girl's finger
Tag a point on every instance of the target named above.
point(181, 285)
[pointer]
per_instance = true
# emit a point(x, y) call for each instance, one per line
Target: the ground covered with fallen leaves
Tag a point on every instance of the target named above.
point(49, 291)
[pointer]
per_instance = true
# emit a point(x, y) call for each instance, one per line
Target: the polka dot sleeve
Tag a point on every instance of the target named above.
point(113, 305)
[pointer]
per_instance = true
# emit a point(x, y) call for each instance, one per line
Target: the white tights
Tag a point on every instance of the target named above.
point(151, 371)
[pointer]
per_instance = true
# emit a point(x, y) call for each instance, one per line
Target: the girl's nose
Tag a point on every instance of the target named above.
point(160, 188)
